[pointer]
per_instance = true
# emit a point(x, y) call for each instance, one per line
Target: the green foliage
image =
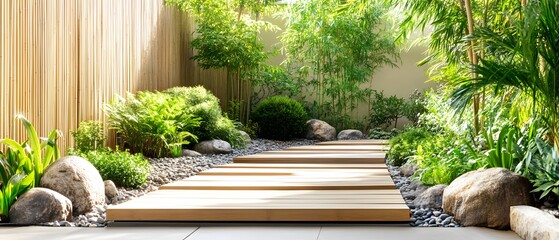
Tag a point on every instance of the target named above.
point(123, 168)
point(543, 168)
point(154, 124)
point(202, 104)
point(280, 117)
point(507, 150)
point(23, 165)
point(415, 106)
point(405, 145)
point(227, 36)
point(441, 159)
point(385, 110)
point(379, 133)
point(526, 58)
point(336, 46)
point(89, 136)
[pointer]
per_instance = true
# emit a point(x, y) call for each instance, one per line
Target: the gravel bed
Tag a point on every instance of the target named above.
point(166, 170)
point(420, 217)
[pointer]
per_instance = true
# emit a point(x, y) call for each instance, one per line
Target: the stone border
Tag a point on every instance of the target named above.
point(531, 223)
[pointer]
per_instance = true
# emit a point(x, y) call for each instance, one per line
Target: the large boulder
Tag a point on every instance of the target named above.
point(484, 197)
point(350, 134)
point(78, 180)
point(40, 205)
point(213, 147)
point(190, 153)
point(320, 130)
point(430, 198)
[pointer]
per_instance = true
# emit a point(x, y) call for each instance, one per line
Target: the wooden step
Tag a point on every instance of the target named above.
point(295, 184)
point(317, 152)
point(346, 148)
point(305, 166)
point(355, 142)
point(290, 171)
point(208, 205)
point(357, 158)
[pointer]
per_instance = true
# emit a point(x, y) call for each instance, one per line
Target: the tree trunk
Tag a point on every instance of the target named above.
point(473, 60)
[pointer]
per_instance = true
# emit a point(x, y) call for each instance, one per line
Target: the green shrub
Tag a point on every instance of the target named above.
point(122, 167)
point(280, 118)
point(404, 145)
point(153, 123)
point(89, 136)
point(441, 159)
point(385, 111)
point(379, 133)
point(203, 104)
point(23, 165)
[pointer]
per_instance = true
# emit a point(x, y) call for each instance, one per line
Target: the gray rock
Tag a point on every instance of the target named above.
point(431, 198)
point(245, 136)
point(190, 153)
point(215, 146)
point(484, 197)
point(408, 169)
point(350, 134)
point(75, 178)
point(40, 205)
point(110, 189)
point(319, 130)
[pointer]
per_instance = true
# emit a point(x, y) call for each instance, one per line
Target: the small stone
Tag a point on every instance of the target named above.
point(432, 221)
point(413, 219)
point(419, 212)
point(451, 225)
point(444, 216)
point(447, 221)
point(56, 224)
point(436, 213)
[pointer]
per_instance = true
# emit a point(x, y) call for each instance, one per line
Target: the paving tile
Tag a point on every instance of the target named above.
point(35, 233)
point(132, 233)
point(417, 233)
point(255, 233)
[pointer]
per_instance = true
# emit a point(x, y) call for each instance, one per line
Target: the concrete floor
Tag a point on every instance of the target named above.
point(327, 232)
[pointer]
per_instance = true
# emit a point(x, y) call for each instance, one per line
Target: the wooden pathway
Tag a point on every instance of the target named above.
point(334, 181)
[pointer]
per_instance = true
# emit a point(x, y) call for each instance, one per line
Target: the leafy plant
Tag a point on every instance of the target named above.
point(385, 110)
point(122, 167)
point(414, 107)
point(506, 151)
point(405, 145)
point(23, 165)
point(154, 124)
point(441, 159)
point(543, 168)
point(379, 133)
point(89, 136)
point(280, 117)
point(336, 46)
point(202, 104)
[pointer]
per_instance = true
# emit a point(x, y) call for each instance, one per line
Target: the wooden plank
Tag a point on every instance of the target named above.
point(288, 171)
point(305, 166)
point(364, 158)
point(385, 213)
point(236, 185)
point(319, 152)
point(355, 142)
point(348, 148)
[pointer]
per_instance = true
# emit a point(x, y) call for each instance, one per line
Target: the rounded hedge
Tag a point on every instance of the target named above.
point(280, 118)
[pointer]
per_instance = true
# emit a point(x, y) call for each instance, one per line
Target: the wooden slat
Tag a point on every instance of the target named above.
point(263, 185)
point(319, 152)
point(288, 171)
point(347, 148)
point(364, 158)
point(355, 142)
point(305, 166)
